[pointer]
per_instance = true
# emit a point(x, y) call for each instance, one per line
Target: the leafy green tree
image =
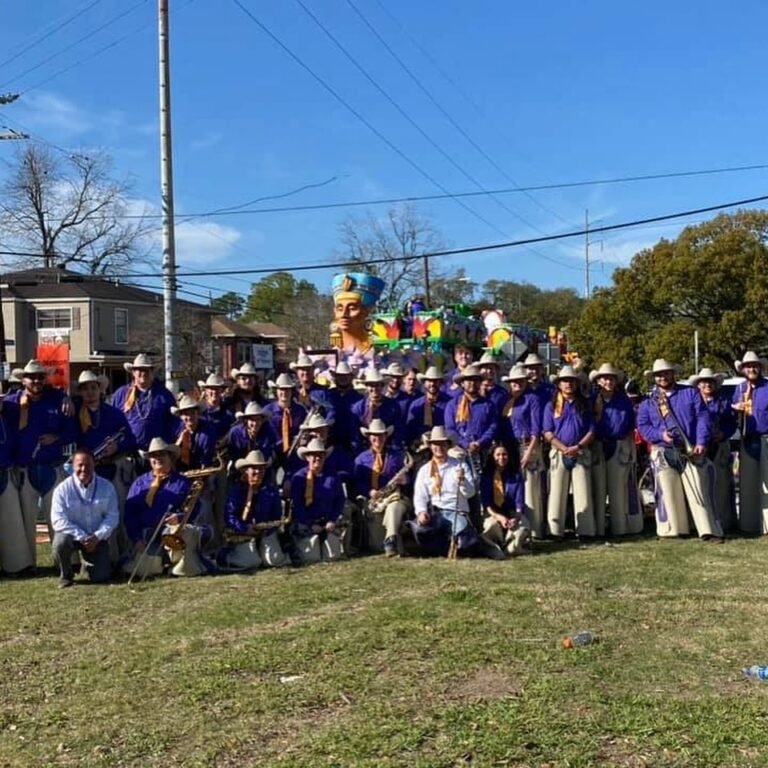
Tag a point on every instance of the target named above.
point(270, 297)
point(712, 279)
point(531, 305)
point(230, 304)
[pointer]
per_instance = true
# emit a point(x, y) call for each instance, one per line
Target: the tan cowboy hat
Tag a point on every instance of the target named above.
point(488, 358)
point(706, 374)
point(342, 369)
point(439, 435)
point(315, 421)
point(566, 372)
point(395, 369)
point(377, 427)
point(253, 459)
point(252, 410)
point(214, 381)
point(606, 369)
point(140, 361)
point(303, 361)
point(470, 372)
point(89, 377)
point(33, 368)
point(17, 374)
point(431, 374)
point(283, 381)
point(158, 445)
point(533, 359)
point(750, 357)
point(516, 373)
point(373, 376)
point(246, 369)
point(315, 445)
point(660, 365)
point(186, 403)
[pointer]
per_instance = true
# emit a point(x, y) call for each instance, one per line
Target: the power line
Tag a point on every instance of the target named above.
point(450, 251)
point(448, 116)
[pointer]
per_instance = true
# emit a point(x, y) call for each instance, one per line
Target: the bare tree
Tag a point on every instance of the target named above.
point(71, 211)
point(391, 247)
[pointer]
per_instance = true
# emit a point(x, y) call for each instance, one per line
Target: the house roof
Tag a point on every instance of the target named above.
point(269, 330)
point(56, 283)
point(224, 327)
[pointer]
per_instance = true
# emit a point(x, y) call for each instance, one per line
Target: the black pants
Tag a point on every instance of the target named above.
point(97, 564)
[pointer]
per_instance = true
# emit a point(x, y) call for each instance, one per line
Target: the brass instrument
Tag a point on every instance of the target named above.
point(388, 493)
point(231, 537)
point(173, 539)
point(101, 448)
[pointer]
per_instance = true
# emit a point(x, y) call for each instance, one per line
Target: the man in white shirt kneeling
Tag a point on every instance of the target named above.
point(84, 513)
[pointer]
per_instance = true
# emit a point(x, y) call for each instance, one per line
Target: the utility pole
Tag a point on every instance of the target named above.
point(586, 254)
point(427, 297)
point(166, 189)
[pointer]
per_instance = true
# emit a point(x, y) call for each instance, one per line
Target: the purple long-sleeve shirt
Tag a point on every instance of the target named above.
point(341, 402)
point(363, 473)
point(617, 419)
point(722, 418)
point(497, 396)
point(139, 517)
point(571, 426)
point(240, 444)
point(523, 419)
point(265, 507)
point(44, 416)
point(479, 428)
point(414, 423)
point(755, 423)
point(203, 449)
point(689, 412)
point(106, 421)
point(221, 418)
point(327, 498)
point(363, 413)
point(150, 415)
point(514, 493)
point(275, 412)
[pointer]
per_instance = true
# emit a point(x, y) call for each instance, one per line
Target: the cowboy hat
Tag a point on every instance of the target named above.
point(438, 435)
point(606, 369)
point(566, 372)
point(141, 361)
point(186, 403)
point(395, 369)
point(470, 372)
point(516, 373)
point(88, 377)
point(377, 427)
point(303, 361)
point(253, 459)
point(158, 445)
point(246, 369)
point(660, 365)
point(431, 374)
point(372, 376)
point(533, 359)
point(342, 369)
point(283, 381)
point(488, 358)
point(315, 445)
point(315, 421)
point(750, 357)
point(706, 374)
point(252, 410)
point(33, 368)
point(214, 381)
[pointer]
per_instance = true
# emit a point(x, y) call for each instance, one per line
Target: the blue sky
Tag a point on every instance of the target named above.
point(558, 92)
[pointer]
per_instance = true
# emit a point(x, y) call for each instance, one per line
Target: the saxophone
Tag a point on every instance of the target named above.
point(231, 537)
point(173, 538)
point(391, 490)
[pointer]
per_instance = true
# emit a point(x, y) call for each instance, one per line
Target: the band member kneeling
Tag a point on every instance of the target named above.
point(252, 519)
point(317, 500)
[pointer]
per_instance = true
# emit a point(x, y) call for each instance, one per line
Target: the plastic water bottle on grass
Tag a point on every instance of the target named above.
point(579, 639)
point(756, 672)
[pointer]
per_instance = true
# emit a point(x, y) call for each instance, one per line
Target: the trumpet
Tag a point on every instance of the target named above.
point(100, 450)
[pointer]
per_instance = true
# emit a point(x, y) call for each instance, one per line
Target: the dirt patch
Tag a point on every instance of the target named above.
point(483, 685)
point(625, 752)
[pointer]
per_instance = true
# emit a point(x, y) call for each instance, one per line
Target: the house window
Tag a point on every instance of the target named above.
point(121, 326)
point(53, 319)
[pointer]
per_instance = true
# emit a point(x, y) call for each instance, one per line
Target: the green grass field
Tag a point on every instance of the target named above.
point(398, 663)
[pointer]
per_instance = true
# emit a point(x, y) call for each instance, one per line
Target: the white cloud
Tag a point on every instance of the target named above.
point(48, 111)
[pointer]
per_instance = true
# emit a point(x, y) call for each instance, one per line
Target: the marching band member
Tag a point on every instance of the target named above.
point(489, 367)
point(341, 397)
point(375, 406)
point(462, 357)
point(317, 501)
point(569, 429)
point(471, 417)
point(411, 384)
point(374, 470)
point(613, 455)
point(251, 432)
point(246, 389)
point(43, 432)
point(84, 515)
point(394, 374)
point(675, 421)
point(146, 403)
point(521, 421)
point(251, 503)
point(722, 426)
point(750, 401)
point(428, 410)
point(286, 417)
point(17, 553)
point(214, 411)
point(195, 437)
point(502, 492)
point(537, 383)
point(308, 392)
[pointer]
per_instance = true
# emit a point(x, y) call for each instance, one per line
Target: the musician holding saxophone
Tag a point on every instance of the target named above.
point(379, 477)
point(676, 422)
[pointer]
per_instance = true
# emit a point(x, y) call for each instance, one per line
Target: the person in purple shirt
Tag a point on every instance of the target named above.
point(146, 403)
point(491, 390)
point(214, 411)
point(317, 501)
point(722, 426)
point(286, 417)
point(252, 432)
point(502, 494)
point(537, 383)
point(675, 421)
point(252, 503)
point(470, 417)
point(308, 391)
point(520, 426)
point(43, 434)
point(374, 470)
point(463, 356)
point(750, 402)
point(16, 548)
point(569, 429)
point(426, 411)
point(341, 397)
point(247, 388)
point(376, 406)
point(613, 455)
point(394, 374)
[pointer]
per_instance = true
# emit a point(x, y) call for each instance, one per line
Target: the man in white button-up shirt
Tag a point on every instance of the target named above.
point(84, 513)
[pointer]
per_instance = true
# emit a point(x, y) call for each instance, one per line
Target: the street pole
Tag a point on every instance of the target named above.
point(427, 297)
point(166, 188)
point(586, 253)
